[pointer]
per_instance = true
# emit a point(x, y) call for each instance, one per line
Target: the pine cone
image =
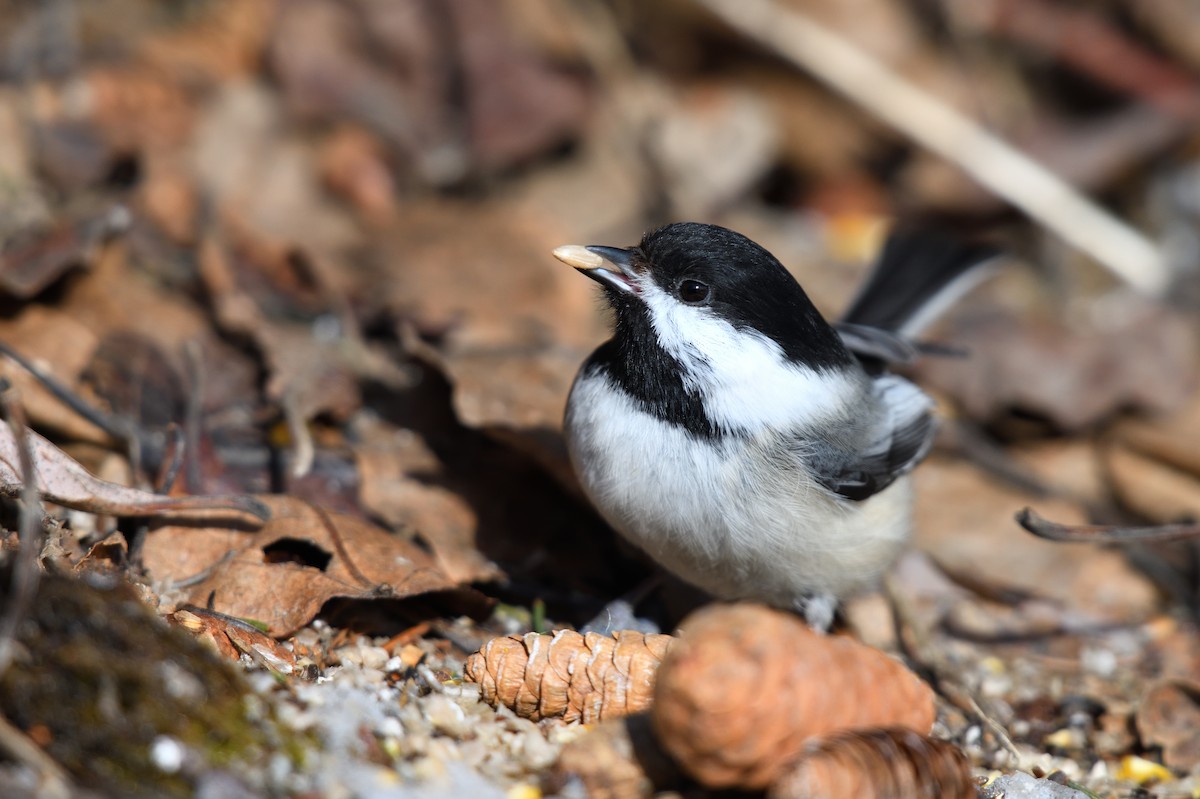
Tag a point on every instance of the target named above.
point(568, 675)
point(746, 686)
point(877, 764)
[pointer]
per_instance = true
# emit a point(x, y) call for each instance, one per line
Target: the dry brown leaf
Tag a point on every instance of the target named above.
point(224, 43)
point(63, 481)
point(1169, 716)
point(394, 68)
point(520, 106)
point(133, 106)
point(320, 56)
point(1152, 487)
point(1174, 28)
point(1173, 439)
point(167, 195)
point(33, 259)
point(137, 381)
point(106, 556)
point(308, 374)
point(63, 347)
point(512, 344)
point(118, 294)
point(746, 687)
point(232, 638)
point(877, 764)
point(353, 165)
point(705, 119)
point(281, 575)
point(1076, 378)
point(978, 543)
point(576, 677)
point(387, 459)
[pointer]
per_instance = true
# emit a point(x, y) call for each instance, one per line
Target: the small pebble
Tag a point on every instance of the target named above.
point(166, 754)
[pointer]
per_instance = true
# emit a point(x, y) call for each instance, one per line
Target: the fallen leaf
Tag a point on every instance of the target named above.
point(353, 165)
point(1173, 439)
point(1169, 716)
point(511, 345)
point(706, 119)
point(33, 260)
point(978, 541)
point(63, 481)
point(441, 517)
point(520, 106)
point(233, 637)
point(282, 574)
point(222, 43)
point(1074, 377)
point(137, 380)
point(107, 556)
point(1151, 487)
point(62, 346)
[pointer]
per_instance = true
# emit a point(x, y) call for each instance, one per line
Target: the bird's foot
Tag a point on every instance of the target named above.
point(618, 615)
point(818, 610)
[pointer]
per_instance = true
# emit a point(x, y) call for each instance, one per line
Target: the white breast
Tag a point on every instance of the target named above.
point(735, 517)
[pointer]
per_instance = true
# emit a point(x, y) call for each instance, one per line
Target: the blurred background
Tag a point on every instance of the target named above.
point(315, 234)
point(306, 244)
point(296, 224)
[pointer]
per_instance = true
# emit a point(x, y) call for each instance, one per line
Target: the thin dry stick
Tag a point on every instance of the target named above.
point(933, 124)
point(340, 546)
point(303, 451)
point(918, 647)
point(25, 572)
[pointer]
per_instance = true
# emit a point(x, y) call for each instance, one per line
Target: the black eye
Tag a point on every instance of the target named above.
point(693, 291)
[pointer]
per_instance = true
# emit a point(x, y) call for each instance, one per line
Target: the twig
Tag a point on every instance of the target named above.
point(113, 426)
point(25, 573)
point(966, 701)
point(193, 419)
point(201, 576)
point(1102, 533)
point(336, 538)
point(303, 450)
point(923, 654)
point(933, 124)
point(176, 445)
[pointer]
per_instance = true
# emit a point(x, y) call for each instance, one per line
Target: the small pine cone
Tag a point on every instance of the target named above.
point(877, 764)
point(746, 686)
point(568, 675)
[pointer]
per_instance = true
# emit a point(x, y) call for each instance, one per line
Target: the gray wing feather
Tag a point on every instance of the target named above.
point(900, 437)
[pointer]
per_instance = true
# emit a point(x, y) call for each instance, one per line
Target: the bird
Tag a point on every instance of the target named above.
point(739, 439)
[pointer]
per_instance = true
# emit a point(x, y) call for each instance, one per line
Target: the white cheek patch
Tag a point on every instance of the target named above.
point(742, 376)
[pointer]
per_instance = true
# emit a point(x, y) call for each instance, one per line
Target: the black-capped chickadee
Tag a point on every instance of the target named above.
point(729, 431)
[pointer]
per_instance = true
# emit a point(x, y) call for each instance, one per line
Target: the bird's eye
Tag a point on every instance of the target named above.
point(693, 291)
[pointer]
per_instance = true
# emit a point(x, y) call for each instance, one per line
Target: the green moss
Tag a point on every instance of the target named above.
point(104, 677)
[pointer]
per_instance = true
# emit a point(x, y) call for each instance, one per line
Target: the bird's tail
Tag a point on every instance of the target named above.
point(918, 276)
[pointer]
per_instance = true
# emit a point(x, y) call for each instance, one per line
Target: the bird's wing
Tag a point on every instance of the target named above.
point(896, 442)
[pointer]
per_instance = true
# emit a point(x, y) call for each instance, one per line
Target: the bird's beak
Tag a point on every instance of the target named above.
point(611, 266)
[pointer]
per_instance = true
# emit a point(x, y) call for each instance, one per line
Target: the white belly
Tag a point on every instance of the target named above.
point(732, 517)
